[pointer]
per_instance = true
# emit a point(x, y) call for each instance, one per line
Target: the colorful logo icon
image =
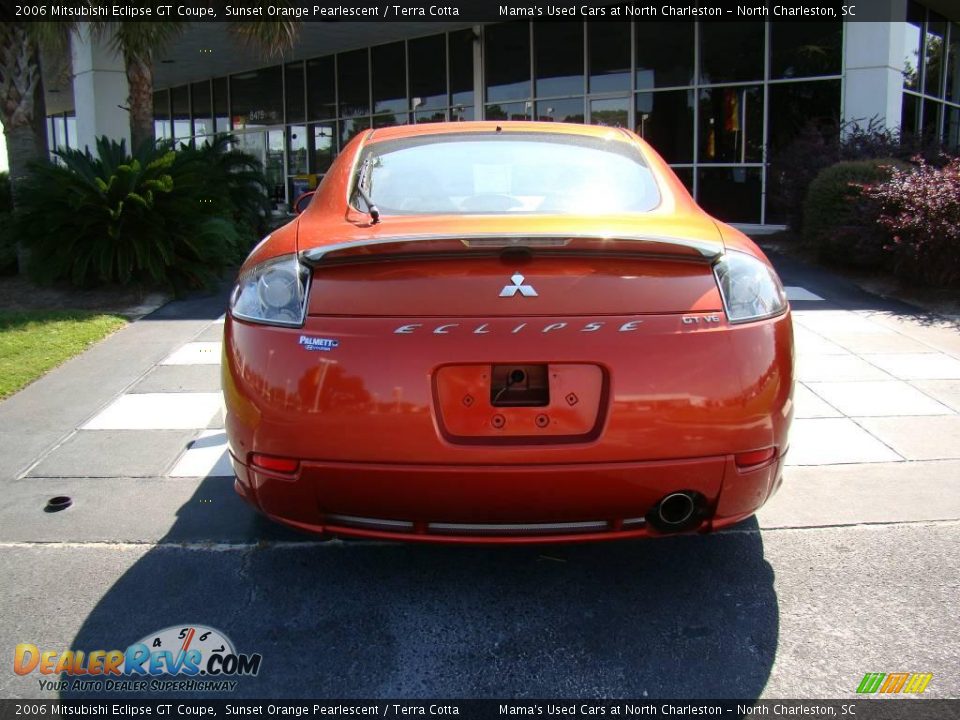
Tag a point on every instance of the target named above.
point(902, 682)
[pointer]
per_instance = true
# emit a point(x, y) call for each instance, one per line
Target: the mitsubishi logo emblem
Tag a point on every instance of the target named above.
point(518, 286)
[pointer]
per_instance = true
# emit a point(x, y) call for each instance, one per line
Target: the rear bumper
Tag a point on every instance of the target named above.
point(502, 504)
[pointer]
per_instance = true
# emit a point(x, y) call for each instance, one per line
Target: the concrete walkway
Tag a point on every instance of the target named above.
point(850, 568)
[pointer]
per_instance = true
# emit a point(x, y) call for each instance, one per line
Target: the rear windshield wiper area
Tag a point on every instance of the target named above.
point(372, 209)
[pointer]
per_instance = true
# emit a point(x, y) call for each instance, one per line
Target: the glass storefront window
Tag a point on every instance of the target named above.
point(352, 127)
point(256, 97)
point(389, 63)
point(353, 83)
point(731, 51)
point(613, 112)
point(934, 46)
point(460, 45)
point(910, 116)
point(665, 120)
point(608, 46)
point(509, 111)
point(296, 149)
point(428, 72)
point(558, 60)
point(201, 108)
point(805, 49)
point(380, 121)
point(321, 89)
point(560, 110)
point(794, 105)
point(686, 177)
point(912, 41)
point(293, 89)
point(951, 129)
point(731, 124)
point(180, 107)
point(72, 132)
point(507, 61)
point(664, 54)
point(324, 146)
point(430, 116)
point(161, 115)
point(221, 109)
point(953, 64)
point(462, 113)
point(931, 119)
point(730, 194)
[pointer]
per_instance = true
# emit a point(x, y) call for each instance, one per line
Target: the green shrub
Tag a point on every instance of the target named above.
point(838, 222)
point(156, 216)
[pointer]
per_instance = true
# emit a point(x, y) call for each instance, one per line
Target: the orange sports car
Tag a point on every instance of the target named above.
point(506, 332)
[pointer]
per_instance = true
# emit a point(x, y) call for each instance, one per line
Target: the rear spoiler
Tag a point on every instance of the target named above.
point(681, 248)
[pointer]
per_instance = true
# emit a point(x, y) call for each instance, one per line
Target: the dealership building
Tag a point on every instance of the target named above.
point(719, 100)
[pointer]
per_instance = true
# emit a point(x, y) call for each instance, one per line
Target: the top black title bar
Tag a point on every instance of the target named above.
point(444, 10)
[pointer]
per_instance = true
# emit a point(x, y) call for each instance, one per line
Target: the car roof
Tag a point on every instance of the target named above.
point(487, 126)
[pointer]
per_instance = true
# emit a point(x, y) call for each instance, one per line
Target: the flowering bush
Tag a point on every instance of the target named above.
point(920, 208)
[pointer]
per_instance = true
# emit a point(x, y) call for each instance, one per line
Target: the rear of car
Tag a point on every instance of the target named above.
point(512, 333)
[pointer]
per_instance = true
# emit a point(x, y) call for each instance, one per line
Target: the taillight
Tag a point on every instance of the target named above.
point(754, 457)
point(275, 464)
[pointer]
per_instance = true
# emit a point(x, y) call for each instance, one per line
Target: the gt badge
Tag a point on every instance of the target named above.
point(315, 343)
point(518, 286)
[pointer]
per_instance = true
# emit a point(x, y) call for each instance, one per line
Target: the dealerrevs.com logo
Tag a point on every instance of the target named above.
point(177, 658)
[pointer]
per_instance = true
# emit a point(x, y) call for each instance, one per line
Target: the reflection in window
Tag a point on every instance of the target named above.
point(296, 149)
point(805, 49)
point(664, 54)
point(296, 103)
point(353, 83)
point(609, 56)
point(430, 116)
point(201, 109)
point(381, 121)
point(507, 61)
point(349, 129)
point(731, 124)
point(324, 146)
point(731, 51)
point(389, 78)
point(428, 72)
point(321, 89)
point(558, 63)
point(913, 35)
point(560, 110)
point(730, 194)
point(612, 112)
point(953, 64)
point(256, 98)
point(665, 120)
point(180, 107)
point(72, 140)
point(221, 110)
point(161, 116)
point(951, 129)
point(461, 67)
point(933, 49)
point(509, 111)
point(910, 116)
point(931, 119)
point(794, 105)
point(462, 113)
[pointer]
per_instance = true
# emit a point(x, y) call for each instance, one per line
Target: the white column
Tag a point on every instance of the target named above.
point(100, 90)
point(873, 56)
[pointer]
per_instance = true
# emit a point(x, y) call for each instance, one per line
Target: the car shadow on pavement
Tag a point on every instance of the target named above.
point(683, 617)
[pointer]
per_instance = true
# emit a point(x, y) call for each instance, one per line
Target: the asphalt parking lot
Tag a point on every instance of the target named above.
point(851, 568)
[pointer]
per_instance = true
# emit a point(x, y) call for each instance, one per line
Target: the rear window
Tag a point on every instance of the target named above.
point(501, 173)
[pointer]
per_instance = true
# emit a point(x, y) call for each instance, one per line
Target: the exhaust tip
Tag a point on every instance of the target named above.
point(677, 512)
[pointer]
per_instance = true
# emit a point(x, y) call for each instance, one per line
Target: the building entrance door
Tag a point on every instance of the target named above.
point(266, 144)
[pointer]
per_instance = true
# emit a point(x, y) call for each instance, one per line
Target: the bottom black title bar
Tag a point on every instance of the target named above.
point(873, 709)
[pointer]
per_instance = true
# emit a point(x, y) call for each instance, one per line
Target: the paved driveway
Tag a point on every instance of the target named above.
point(851, 567)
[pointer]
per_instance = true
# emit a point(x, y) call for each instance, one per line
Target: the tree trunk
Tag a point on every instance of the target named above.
point(21, 108)
point(140, 80)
